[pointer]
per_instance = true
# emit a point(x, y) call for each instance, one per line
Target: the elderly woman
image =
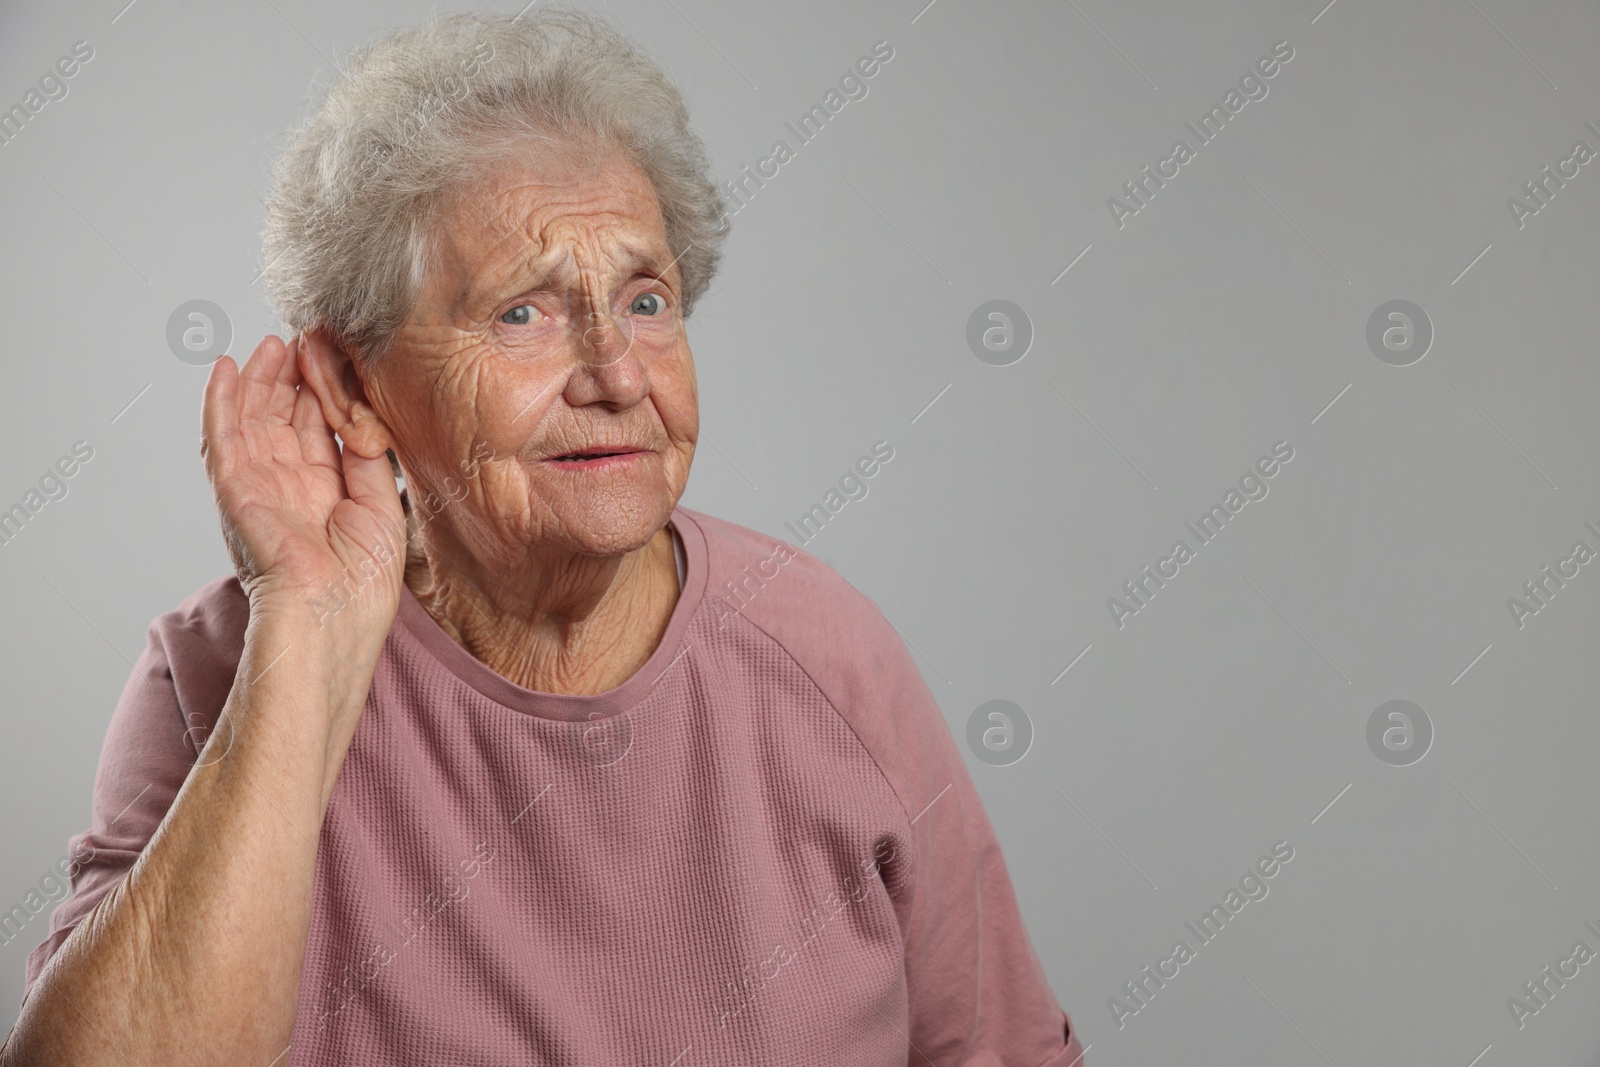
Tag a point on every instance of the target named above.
point(526, 763)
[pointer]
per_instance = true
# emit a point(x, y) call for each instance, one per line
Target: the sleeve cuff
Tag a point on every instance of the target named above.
point(1071, 1055)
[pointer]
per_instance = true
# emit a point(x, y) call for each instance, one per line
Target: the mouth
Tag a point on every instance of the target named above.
point(597, 456)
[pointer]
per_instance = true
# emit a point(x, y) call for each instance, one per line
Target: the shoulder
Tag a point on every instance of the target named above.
point(835, 633)
point(197, 645)
point(171, 701)
point(797, 599)
point(207, 627)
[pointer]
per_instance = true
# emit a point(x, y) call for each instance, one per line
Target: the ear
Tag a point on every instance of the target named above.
point(329, 370)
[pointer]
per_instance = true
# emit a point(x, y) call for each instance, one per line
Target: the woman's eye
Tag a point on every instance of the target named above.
point(648, 304)
point(520, 315)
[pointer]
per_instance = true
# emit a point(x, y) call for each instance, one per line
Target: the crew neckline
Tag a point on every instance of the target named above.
point(678, 556)
point(568, 706)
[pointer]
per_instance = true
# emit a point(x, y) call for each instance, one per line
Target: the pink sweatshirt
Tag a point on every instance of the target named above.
point(763, 848)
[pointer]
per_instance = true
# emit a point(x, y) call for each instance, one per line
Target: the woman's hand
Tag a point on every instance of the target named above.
point(305, 522)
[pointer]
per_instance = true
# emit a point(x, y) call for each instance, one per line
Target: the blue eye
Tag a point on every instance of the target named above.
point(648, 304)
point(520, 315)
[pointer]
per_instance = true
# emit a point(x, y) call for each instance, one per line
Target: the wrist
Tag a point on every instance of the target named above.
point(337, 626)
point(335, 659)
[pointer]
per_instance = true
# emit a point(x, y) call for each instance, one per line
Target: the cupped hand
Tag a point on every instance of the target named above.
point(304, 520)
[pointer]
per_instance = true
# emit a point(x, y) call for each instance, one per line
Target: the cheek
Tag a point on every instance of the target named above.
point(502, 492)
point(406, 393)
point(679, 403)
point(675, 390)
point(486, 408)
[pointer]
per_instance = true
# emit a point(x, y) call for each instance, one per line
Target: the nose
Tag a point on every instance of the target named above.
point(606, 369)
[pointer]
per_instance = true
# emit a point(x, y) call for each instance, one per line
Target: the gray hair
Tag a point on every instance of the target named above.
point(421, 115)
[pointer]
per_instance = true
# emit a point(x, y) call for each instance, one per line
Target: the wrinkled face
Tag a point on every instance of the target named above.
point(549, 324)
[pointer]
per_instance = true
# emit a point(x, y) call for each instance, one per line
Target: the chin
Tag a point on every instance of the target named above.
point(611, 526)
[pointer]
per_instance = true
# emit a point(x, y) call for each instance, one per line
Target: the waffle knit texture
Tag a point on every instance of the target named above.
point(763, 848)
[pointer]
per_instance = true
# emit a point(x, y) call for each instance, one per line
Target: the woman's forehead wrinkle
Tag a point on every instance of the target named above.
point(589, 255)
point(491, 218)
point(536, 233)
point(464, 276)
point(475, 248)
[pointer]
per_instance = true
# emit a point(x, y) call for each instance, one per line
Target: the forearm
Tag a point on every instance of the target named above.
point(195, 957)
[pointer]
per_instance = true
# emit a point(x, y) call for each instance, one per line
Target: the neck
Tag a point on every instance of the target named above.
point(548, 621)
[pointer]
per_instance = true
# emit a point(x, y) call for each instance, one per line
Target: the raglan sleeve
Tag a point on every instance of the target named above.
point(978, 995)
point(157, 729)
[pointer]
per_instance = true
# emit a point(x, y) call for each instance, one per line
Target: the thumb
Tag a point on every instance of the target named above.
point(370, 483)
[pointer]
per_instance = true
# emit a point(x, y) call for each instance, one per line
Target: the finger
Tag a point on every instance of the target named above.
point(219, 416)
point(255, 387)
point(370, 482)
point(268, 382)
point(317, 444)
point(296, 378)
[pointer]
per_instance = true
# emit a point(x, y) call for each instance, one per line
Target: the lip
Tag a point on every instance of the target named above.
point(619, 459)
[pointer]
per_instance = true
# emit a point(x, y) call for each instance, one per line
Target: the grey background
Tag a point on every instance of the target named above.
point(1226, 316)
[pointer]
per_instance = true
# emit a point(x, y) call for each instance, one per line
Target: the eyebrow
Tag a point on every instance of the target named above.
point(543, 275)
